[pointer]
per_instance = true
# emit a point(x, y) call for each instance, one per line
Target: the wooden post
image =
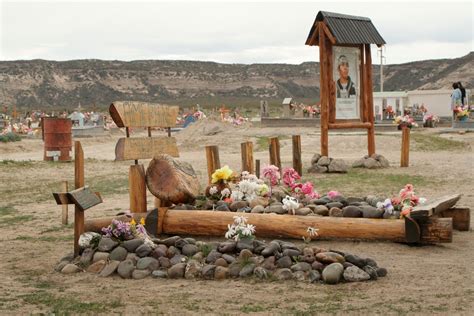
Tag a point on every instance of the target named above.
point(213, 162)
point(137, 188)
point(297, 163)
point(247, 157)
point(404, 160)
point(369, 100)
point(257, 168)
point(78, 183)
point(275, 152)
point(324, 92)
point(64, 188)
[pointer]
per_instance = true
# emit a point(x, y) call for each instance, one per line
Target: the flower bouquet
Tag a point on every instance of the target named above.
point(430, 120)
point(405, 121)
point(122, 231)
point(219, 182)
point(240, 229)
point(462, 113)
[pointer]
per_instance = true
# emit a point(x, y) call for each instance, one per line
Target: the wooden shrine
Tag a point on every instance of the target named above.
point(345, 73)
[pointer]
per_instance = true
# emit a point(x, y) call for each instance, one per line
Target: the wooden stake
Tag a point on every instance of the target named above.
point(404, 160)
point(297, 163)
point(275, 152)
point(370, 100)
point(213, 162)
point(78, 183)
point(247, 157)
point(64, 188)
point(137, 188)
point(257, 168)
point(324, 93)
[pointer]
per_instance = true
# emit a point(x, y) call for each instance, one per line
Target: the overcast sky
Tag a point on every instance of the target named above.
point(224, 31)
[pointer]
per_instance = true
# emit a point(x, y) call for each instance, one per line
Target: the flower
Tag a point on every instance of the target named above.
point(132, 222)
point(271, 173)
point(333, 194)
point(312, 231)
point(290, 176)
point(239, 229)
point(225, 193)
point(290, 204)
point(222, 174)
point(142, 221)
point(213, 190)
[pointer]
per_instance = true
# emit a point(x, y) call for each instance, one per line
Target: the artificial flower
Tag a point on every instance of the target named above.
point(222, 174)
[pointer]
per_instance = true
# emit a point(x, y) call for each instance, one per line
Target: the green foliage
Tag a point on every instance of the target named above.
point(9, 137)
point(205, 249)
point(425, 142)
point(252, 308)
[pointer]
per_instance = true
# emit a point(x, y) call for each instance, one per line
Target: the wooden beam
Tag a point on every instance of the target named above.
point(247, 157)
point(257, 168)
point(213, 161)
point(275, 152)
point(64, 217)
point(297, 161)
point(363, 99)
point(143, 114)
point(405, 151)
point(328, 34)
point(314, 40)
point(78, 183)
point(137, 188)
point(461, 218)
point(344, 125)
point(370, 100)
point(145, 147)
point(436, 206)
point(323, 88)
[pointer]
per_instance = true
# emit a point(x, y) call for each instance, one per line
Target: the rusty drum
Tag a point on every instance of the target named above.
point(57, 139)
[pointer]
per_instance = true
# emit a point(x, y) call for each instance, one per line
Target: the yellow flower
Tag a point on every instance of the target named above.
point(224, 173)
point(132, 222)
point(142, 221)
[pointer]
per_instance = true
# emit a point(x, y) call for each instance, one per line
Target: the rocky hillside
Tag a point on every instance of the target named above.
point(40, 83)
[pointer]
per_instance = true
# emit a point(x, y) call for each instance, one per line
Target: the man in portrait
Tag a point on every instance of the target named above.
point(344, 85)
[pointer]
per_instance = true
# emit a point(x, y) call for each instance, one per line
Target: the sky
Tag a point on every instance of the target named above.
point(223, 31)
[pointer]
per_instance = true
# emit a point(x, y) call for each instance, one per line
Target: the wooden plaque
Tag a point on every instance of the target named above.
point(145, 147)
point(84, 198)
point(436, 206)
point(142, 114)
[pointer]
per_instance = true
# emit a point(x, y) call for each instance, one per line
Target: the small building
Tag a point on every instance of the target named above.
point(77, 118)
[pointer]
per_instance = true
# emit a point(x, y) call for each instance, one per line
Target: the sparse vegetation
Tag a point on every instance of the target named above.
point(425, 142)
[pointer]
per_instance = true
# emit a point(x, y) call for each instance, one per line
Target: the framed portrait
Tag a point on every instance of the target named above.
point(346, 79)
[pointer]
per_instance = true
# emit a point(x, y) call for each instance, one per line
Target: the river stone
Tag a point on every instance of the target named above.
point(308, 258)
point(140, 274)
point(277, 209)
point(228, 258)
point(238, 205)
point(247, 270)
point(172, 251)
point(177, 271)
point(180, 243)
point(119, 254)
point(334, 204)
point(198, 257)
point(86, 256)
point(189, 250)
point(261, 273)
point(193, 270)
point(335, 212)
point(70, 268)
point(107, 244)
point(301, 266)
point(168, 242)
point(96, 267)
point(284, 262)
point(303, 211)
point(245, 243)
point(371, 262)
point(383, 161)
point(208, 271)
point(316, 265)
point(159, 274)
point(133, 244)
point(315, 158)
point(324, 161)
point(321, 210)
point(221, 273)
point(143, 250)
point(317, 169)
point(148, 263)
point(381, 272)
point(259, 200)
point(314, 276)
point(223, 208)
point(109, 269)
point(359, 163)
point(164, 262)
point(291, 253)
point(269, 263)
point(369, 211)
point(159, 251)
point(271, 249)
point(213, 256)
point(300, 275)
point(288, 245)
point(227, 247)
point(355, 274)
point(338, 166)
point(332, 273)
point(258, 209)
point(190, 240)
point(221, 262)
point(371, 271)
point(351, 211)
point(283, 274)
point(234, 269)
point(125, 269)
point(371, 163)
point(355, 260)
point(99, 255)
point(347, 265)
point(245, 254)
point(329, 257)
point(178, 259)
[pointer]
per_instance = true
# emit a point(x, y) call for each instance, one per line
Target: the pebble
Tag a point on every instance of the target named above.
point(177, 271)
point(140, 274)
point(308, 258)
point(172, 251)
point(303, 211)
point(148, 263)
point(221, 273)
point(213, 256)
point(299, 275)
point(238, 205)
point(334, 204)
point(381, 272)
point(228, 258)
point(96, 267)
point(109, 269)
point(259, 201)
point(70, 268)
point(190, 240)
point(133, 257)
point(133, 244)
point(269, 263)
point(164, 262)
point(301, 266)
point(208, 271)
point(278, 209)
point(180, 243)
point(245, 254)
point(371, 212)
point(125, 269)
point(372, 272)
point(271, 249)
point(261, 273)
point(283, 274)
point(193, 270)
point(332, 273)
point(143, 251)
point(159, 274)
point(329, 257)
point(291, 253)
point(245, 244)
point(247, 270)
point(86, 256)
point(355, 260)
point(221, 262)
point(351, 211)
point(258, 209)
point(321, 210)
point(355, 274)
point(284, 262)
point(227, 247)
point(335, 212)
point(159, 251)
point(371, 262)
point(178, 259)
point(234, 269)
point(314, 276)
point(99, 255)
point(288, 245)
point(119, 254)
point(107, 244)
point(189, 250)
point(316, 265)
point(223, 208)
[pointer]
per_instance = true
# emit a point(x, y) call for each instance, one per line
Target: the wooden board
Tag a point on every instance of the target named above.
point(438, 205)
point(84, 198)
point(145, 147)
point(143, 114)
point(461, 217)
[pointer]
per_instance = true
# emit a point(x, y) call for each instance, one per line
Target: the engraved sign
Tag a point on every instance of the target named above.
point(143, 114)
point(145, 147)
point(84, 198)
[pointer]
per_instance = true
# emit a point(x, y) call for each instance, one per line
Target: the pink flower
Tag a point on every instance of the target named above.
point(271, 173)
point(333, 194)
point(396, 201)
point(308, 190)
point(290, 176)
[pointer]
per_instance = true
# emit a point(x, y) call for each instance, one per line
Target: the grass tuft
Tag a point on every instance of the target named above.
point(424, 142)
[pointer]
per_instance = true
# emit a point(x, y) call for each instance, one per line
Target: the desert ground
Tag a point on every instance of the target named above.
point(436, 279)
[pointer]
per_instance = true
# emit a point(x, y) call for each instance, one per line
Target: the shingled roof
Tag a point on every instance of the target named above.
point(346, 29)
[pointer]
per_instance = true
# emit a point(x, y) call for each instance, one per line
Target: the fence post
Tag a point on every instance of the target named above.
point(297, 163)
point(275, 152)
point(213, 162)
point(404, 161)
point(247, 157)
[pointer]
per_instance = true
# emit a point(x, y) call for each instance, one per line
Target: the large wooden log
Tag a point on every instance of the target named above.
point(435, 230)
point(171, 180)
point(96, 224)
point(137, 188)
point(461, 217)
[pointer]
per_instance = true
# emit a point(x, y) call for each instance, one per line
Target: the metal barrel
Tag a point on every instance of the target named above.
point(57, 139)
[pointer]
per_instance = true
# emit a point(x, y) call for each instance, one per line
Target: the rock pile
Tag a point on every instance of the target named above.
point(323, 164)
point(375, 161)
point(177, 257)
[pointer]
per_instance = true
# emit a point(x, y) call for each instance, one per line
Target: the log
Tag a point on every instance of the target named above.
point(437, 205)
point(171, 180)
point(436, 230)
point(324, 91)
point(348, 125)
point(137, 188)
point(297, 162)
point(213, 162)
point(143, 114)
point(405, 153)
point(275, 152)
point(145, 147)
point(247, 157)
point(96, 224)
point(461, 218)
point(78, 183)
point(370, 100)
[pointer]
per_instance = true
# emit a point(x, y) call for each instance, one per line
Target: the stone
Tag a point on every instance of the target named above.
point(258, 201)
point(359, 163)
point(132, 256)
point(347, 264)
point(168, 242)
point(227, 247)
point(148, 263)
point(119, 254)
point(324, 161)
point(288, 245)
point(143, 250)
point(261, 273)
point(172, 251)
point(301, 266)
point(88, 240)
point(333, 273)
point(228, 258)
point(178, 259)
point(316, 265)
point(159, 274)
point(69, 257)
point(159, 251)
point(109, 269)
point(96, 267)
point(87, 256)
point(258, 209)
point(164, 262)
point(213, 256)
point(308, 258)
point(271, 249)
point(208, 271)
point(338, 166)
point(299, 275)
point(99, 255)
point(133, 244)
point(371, 163)
point(291, 253)
point(193, 270)
point(381, 272)
point(106, 244)
point(269, 263)
point(355, 274)
point(283, 274)
point(247, 270)
point(180, 243)
point(371, 271)
point(70, 268)
point(189, 250)
point(383, 161)
point(335, 212)
point(303, 211)
point(352, 199)
point(355, 260)
point(177, 271)
point(329, 257)
point(198, 257)
point(371, 262)
point(315, 158)
point(245, 254)
point(321, 210)
point(258, 247)
point(277, 209)
point(221, 273)
point(190, 240)
point(369, 211)
point(284, 262)
point(234, 269)
point(140, 274)
point(245, 243)
point(125, 269)
point(314, 276)
point(221, 262)
point(238, 205)
point(317, 169)
point(334, 204)
point(223, 208)
point(351, 211)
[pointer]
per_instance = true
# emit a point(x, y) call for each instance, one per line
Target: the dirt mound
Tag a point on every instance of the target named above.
point(208, 127)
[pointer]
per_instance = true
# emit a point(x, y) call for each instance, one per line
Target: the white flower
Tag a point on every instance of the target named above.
point(240, 220)
point(213, 190)
point(237, 195)
point(422, 200)
point(290, 203)
point(312, 231)
point(225, 193)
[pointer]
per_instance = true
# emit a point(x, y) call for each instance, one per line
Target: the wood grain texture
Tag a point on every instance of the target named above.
point(247, 157)
point(64, 214)
point(96, 224)
point(461, 218)
point(324, 93)
point(78, 183)
point(213, 161)
point(436, 230)
point(297, 161)
point(349, 125)
point(436, 206)
point(145, 147)
point(274, 150)
point(405, 151)
point(257, 168)
point(137, 188)
point(143, 114)
point(369, 101)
